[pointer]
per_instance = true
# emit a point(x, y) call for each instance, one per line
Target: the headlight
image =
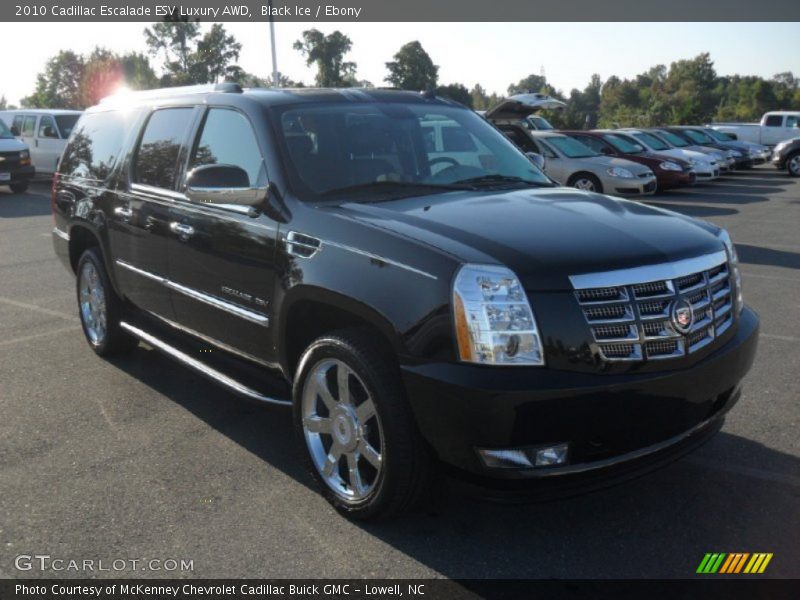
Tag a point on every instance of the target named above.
point(733, 261)
point(24, 154)
point(670, 166)
point(780, 146)
point(494, 322)
point(620, 172)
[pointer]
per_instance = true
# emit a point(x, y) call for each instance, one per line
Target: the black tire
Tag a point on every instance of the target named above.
point(19, 188)
point(793, 164)
point(574, 179)
point(115, 340)
point(405, 478)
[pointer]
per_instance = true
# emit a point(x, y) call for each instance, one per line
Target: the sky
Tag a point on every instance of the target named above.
point(492, 54)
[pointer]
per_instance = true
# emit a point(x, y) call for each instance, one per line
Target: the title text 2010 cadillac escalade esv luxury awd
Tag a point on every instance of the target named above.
point(392, 267)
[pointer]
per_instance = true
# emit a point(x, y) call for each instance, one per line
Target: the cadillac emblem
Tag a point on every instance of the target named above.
point(682, 316)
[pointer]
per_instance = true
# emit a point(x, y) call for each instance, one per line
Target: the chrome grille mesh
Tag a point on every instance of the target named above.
point(634, 321)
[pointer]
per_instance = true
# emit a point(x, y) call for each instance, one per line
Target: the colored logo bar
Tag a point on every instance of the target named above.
point(734, 562)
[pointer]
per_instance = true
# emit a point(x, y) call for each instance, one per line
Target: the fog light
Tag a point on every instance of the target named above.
point(505, 459)
point(554, 455)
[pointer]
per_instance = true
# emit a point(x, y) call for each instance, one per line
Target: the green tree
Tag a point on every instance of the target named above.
point(214, 58)
point(457, 92)
point(59, 85)
point(532, 83)
point(174, 39)
point(327, 53)
point(412, 69)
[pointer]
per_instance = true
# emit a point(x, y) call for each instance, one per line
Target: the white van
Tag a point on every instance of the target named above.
point(16, 169)
point(44, 131)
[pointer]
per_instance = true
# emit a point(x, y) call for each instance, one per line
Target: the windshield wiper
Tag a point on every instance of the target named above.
point(394, 185)
point(498, 178)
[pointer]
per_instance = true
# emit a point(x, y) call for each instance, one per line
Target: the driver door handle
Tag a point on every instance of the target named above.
point(184, 231)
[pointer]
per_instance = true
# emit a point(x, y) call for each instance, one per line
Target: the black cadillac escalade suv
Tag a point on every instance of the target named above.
point(392, 267)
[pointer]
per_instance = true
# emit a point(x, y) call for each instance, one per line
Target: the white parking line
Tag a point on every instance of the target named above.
point(784, 338)
point(778, 277)
point(34, 336)
point(39, 309)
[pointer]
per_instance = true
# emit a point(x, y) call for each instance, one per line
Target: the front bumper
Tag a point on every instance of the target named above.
point(630, 186)
point(672, 179)
point(607, 420)
point(18, 174)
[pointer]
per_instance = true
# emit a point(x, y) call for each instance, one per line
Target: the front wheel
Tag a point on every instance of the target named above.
point(586, 182)
point(793, 165)
point(360, 439)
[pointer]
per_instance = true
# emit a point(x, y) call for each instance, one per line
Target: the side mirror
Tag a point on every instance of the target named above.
point(536, 159)
point(49, 132)
point(15, 131)
point(223, 184)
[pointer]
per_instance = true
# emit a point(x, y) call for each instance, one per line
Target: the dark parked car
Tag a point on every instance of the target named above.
point(786, 155)
point(670, 172)
point(391, 267)
point(16, 170)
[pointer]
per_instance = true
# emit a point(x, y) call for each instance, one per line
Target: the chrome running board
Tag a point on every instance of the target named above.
point(200, 367)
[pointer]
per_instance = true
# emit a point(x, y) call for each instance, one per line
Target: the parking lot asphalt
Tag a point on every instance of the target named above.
point(138, 458)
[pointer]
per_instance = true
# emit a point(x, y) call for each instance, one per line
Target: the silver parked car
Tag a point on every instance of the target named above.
point(572, 163)
point(706, 167)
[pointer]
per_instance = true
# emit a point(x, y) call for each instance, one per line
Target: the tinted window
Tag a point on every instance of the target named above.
point(29, 126)
point(5, 132)
point(45, 122)
point(595, 144)
point(18, 122)
point(774, 121)
point(66, 123)
point(228, 139)
point(624, 144)
point(95, 146)
point(652, 141)
point(156, 160)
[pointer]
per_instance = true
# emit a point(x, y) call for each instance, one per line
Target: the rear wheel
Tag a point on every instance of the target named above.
point(19, 188)
point(99, 307)
point(586, 182)
point(793, 164)
point(360, 439)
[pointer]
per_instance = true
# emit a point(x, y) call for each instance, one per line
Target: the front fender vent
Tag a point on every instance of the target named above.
point(301, 245)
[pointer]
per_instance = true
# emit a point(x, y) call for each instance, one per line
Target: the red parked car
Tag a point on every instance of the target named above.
point(670, 172)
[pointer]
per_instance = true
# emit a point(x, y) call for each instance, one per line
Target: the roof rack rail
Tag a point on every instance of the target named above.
point(205, 88)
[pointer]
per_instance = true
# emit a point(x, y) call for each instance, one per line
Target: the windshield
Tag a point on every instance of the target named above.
point(624, 144)
point(5, 132)
point(654, 142)
point(333, 149)
point(539, 123)
point(673, 139)
point(66, 123)
point(718, 135)
point(696, 136)
point(571, 148)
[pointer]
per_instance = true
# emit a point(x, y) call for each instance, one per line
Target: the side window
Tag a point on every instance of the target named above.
point(228, 139)
point(18, 123)
point(29, 126)
point(95, 146)
point(156, 161)
point(47, 127)
point(593, 143)
point(792, 121)
point(774, 121)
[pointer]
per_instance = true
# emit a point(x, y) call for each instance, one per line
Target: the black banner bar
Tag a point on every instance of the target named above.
point(400, 11)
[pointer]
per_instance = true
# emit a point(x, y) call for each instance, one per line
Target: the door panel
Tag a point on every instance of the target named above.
point(49, 147)
point(221, 259)
point(28, 135)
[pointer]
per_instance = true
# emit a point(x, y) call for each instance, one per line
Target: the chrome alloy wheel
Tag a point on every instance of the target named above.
point(92, 304)
point(342, 430)
point(794, 165)
point(585, 184)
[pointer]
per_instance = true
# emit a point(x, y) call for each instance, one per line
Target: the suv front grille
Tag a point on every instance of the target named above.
point(634, 321)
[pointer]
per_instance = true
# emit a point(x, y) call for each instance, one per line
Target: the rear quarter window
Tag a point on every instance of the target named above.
point(95, 146)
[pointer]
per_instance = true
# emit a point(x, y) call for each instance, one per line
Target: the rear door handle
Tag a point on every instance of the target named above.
point(184, 231)
point(123, 212)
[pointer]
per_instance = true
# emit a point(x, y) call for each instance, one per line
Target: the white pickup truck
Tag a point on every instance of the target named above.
point(774, 127)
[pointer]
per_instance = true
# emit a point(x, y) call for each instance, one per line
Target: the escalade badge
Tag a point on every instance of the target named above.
point(682, 316)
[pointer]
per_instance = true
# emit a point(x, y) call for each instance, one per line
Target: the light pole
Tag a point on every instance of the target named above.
point(276, 81)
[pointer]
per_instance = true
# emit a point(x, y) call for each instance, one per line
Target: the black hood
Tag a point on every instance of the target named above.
point(543, 235)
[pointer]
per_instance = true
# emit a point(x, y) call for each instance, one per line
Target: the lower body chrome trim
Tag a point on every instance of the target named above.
point(234, 309)
point(62, 234)
point(201, 367)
